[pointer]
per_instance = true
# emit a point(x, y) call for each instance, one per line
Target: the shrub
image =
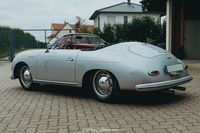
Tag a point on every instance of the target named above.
point(139, 29)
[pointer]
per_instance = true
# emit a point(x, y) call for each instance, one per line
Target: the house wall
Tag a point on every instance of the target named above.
point(119, 18)
point(66, 29)
point(53, 32)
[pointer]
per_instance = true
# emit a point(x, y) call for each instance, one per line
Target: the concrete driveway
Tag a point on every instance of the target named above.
point(65, 109)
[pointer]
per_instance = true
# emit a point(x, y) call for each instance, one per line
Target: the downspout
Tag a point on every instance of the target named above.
point(169, 26)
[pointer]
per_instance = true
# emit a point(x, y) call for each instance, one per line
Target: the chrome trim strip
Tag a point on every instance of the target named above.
point(55, 82)
point(162, 85)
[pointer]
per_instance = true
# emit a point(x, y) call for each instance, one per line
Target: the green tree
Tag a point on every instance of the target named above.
point(154, 5)
point(84, 30)
point(119, 33)
point(97, 31)
point(140, 29)
point(20, 40)
point(108, 33)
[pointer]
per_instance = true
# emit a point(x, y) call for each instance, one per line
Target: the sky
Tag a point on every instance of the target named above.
point(39, 14)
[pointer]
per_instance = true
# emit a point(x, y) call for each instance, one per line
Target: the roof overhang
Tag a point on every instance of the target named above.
point(96, 13)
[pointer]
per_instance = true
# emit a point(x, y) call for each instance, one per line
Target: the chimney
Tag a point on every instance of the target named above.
point(129, 2)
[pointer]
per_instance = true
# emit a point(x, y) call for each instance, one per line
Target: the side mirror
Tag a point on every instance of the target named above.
point(49, 46)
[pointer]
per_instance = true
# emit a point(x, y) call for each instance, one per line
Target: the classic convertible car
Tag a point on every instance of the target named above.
point(85, 60)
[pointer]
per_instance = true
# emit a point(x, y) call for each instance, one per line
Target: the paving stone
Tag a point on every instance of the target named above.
point(66, 109)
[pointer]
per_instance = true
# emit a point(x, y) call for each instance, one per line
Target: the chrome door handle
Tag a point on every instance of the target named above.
point(70, 59)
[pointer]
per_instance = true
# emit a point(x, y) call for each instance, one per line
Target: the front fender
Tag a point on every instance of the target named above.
point(29, 58)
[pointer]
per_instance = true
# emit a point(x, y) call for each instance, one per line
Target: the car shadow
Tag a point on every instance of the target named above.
point(124, 97)
point(75, 92)
point(151, 98)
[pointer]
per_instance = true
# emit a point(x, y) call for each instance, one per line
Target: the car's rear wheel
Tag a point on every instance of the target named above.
point(105, 85)
point(25, 78)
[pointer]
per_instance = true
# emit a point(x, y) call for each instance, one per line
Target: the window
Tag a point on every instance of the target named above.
point(99, 22)
point(125, 19)
point(95, 22)
point(111, 20)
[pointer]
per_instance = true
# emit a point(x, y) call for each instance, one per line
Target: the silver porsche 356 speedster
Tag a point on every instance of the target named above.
point(86, 60)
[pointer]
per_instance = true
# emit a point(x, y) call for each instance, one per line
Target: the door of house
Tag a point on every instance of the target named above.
point(192, 39)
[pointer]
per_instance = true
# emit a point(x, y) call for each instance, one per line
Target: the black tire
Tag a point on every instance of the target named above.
point(105, 86)
point(25, 78)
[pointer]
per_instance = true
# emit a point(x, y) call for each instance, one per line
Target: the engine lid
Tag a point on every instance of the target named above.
point(146, 50)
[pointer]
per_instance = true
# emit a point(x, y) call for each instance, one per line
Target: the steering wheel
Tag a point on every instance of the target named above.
point(68, 46)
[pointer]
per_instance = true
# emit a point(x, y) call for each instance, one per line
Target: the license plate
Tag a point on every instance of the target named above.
point(174, 68)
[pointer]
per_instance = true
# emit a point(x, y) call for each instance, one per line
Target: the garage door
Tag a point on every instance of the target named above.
point(192, 39)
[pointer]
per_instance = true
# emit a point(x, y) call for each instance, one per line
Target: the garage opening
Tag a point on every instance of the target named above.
point(186, 29)
point(192, 30)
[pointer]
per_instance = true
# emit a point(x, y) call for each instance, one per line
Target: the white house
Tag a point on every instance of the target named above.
point(119, 14)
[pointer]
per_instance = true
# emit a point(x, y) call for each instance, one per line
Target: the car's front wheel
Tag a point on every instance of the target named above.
point(105, 85)
point(25, 78)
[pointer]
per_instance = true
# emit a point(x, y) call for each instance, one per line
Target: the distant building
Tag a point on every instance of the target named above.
point(58, 29)
point(120, 13)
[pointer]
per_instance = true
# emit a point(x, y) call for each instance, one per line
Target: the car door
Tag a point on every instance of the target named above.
point(57, 65)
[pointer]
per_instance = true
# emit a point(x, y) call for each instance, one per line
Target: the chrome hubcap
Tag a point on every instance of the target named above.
point(25, 76)
point(102, 83)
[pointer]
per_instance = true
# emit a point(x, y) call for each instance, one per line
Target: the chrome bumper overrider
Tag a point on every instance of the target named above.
point(162, 85)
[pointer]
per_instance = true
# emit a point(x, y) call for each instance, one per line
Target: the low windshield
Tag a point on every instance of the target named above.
point(87, 39)
point(52, 42)
point(80, 41)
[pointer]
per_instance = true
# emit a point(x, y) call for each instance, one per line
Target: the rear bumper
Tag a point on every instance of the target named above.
point(162, 85)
